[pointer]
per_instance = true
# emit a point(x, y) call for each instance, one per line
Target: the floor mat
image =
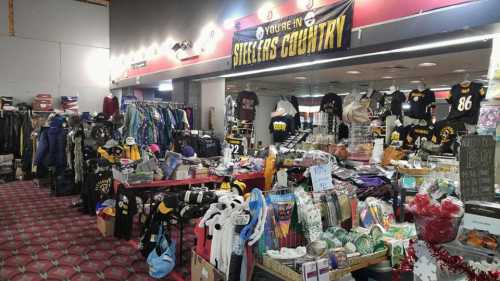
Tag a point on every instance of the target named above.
point(41, 238)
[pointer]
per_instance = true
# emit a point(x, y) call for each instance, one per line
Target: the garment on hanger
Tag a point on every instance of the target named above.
point(421, 103)
point(295, 103)
point(392, 104)
point(375, 97)
point(245, 105)
point(332, 104)
point(418, 134)
point(465, 100)
point(281, 127)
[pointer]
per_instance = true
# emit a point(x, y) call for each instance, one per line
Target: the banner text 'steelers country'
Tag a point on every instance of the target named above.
point(318, 31)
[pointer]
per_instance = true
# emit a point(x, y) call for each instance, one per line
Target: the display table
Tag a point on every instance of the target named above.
point(246, 177)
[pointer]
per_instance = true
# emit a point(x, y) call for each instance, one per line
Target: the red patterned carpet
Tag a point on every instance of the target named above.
point(41, 238)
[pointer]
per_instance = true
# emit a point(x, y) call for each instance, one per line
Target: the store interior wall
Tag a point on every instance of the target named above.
point(213, 98)
point(55, 53)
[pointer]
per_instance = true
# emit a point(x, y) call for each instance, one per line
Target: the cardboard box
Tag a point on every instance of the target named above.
point(106, 226)
point(202, 270)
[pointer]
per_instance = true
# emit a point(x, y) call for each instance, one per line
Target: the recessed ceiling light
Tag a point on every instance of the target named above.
point(427, 64)
point(459, 70)
point(444, 85)
point(386, 77)
point(353, 72)
point(484, 75)
point(415, 81)
point(301, 78)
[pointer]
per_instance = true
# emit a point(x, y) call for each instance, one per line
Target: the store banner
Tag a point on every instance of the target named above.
point(318, 31)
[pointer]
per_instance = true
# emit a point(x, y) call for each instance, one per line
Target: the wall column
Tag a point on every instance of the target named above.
point(213, 94)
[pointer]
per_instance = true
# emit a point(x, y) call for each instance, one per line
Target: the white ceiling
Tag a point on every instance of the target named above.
point(404, 71)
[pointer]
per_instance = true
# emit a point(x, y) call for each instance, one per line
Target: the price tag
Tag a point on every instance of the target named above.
point(242, 220)
point(321, 176)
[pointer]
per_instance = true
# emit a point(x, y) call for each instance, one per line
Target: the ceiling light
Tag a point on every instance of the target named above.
point(267, 12)
point(444, 86)
point(434, 45)
point(353, 72)
point(415, 81)
point(386, 77)
point(305, 4)
point(301, 78)
point(427, 64)
point(166, 86)
point(484, 75)
point(447, 88)
point(459, 70)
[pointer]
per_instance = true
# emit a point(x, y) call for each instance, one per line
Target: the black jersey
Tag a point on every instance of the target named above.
point(418, 134)
point(421, 104)
point(465, 100)
point(281, 127)
point(400, 133)
point(392, 104)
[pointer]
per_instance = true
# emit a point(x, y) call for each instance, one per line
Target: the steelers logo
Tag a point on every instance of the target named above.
point(309, 19)
point(259, 34)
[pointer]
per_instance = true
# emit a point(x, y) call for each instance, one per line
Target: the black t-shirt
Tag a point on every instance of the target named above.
point(421, 104)
point(400, 133)
point(418, 134)
point(245, 105)
point(332, 104)
point(281, 127)
point(465, 101)
point(392, 104)
point(446, 133)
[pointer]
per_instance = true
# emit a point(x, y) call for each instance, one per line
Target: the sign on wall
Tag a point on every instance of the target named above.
point(318, 31)
point(477, 168)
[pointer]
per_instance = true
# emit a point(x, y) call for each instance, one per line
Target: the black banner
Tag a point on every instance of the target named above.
point(318, 31)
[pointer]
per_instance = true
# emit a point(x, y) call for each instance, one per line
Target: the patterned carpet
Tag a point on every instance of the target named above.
point(41, 238)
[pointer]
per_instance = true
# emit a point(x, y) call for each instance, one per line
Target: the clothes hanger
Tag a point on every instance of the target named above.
point(466, 81)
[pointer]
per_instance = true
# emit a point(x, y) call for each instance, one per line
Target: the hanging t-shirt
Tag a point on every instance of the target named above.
point(332, 104)
point(375, 97)
point(418, 134)
point(245, 105)
point(126, 208)
point(465, 100)
point(281, 127)
point(400, 133)
point(392, 104)
point(420, 104)
point(446, 132)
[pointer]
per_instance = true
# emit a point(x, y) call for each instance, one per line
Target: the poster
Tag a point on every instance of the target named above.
point(318, 31)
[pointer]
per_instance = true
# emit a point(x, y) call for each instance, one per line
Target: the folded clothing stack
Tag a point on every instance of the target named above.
point(69, 103)
point(5, 101)
point(43, 102)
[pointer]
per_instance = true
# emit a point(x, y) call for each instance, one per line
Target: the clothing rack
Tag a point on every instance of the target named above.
point(172, 103)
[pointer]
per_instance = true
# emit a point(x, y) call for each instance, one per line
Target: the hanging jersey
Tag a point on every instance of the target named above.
point(420, 104)
point(391, 104)
point(418, 134)
point(465, 101)
point(399, 134)
point(281, 127)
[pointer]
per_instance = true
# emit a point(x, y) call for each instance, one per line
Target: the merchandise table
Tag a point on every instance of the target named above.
point(256, 176)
